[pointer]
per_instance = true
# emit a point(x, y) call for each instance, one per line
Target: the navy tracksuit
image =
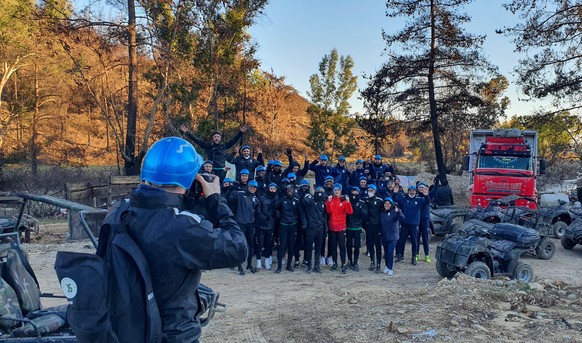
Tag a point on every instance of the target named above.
point(321, 172)
point(375, 207)
point(246, 208)
point(354, 223)
point(390, 231)
point(424, 228)
point(411, 208)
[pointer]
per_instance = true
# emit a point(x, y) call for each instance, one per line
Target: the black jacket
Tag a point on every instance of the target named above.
point(246, 206)
point(301, 173)
point(289, 209)
point(269, 210)
point(360, 207)
point(178, 245)
point(375, 207)
point(315, 214)
point(249, 164)
point(215, 152)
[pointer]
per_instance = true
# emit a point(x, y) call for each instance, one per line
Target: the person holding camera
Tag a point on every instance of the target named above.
point(176, 243)
point(338, 207)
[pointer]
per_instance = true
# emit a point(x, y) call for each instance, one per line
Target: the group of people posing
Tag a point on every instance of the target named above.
point(276, 206)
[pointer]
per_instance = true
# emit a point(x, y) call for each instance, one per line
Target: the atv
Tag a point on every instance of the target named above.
point(483, 250)
point(446, 219)
point(572, 235)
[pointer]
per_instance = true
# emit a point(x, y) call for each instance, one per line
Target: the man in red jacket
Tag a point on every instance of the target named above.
point(338, 207)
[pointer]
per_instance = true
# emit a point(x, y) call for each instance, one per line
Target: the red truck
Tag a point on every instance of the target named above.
point(503, 162)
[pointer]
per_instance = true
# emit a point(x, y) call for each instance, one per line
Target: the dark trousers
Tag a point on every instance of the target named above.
point(424, 233)
point(323, 240)
point(313, 237)
point(407, 230)
point(249, 232)
point(263, 238)
point(389, 253)
point(299, 244)
point(337, 238)
point(353, 244)
point(374, 242)
point(287, 233)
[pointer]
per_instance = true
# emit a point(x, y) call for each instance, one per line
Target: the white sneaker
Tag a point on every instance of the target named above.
point(259, 264)
point(268, 263)
point(329, 261)
point(322, 261)
point(386, 270)
point(390, 272)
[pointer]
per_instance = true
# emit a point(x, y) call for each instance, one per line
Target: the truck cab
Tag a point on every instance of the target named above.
point(500, 163)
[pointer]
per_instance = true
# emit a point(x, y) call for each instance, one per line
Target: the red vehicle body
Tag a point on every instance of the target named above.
point(503, 162)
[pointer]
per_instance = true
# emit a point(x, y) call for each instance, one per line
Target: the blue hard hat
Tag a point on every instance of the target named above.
point(363, 178)
point(360, 161)
point(389, 199)
point(244, 171)
point(329, 177)
point(245, 147)
point(261, 168)
point(272, 184)
point(304, 182)
point(372, 187)
point(253, 183)
point(277, 163)
point(378, 157)
point(227, 179)
point(323, 157)
point(270, 162)
point(342, 158)
point(337, 186)
point(171, 161)
point(291, 175)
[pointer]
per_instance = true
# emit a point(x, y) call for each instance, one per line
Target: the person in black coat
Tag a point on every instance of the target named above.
point(246, 161)
point(216, 150)
point(266, 225)
point(373, 241)
point(247, 208)
point(316, 216)
point(390, 230)
point(354, 224)
point(290, 218)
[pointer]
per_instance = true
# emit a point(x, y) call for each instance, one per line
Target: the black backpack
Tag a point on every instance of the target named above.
point(110, 293)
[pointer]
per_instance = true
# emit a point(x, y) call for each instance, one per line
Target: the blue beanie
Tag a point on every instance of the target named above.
point(227, 179)
point(272, 184)
point(319, 188)
point(363, 178)
point(411, 187)
point(245, 147)
point(277, 163)
point(323, 157)
point(261, 168)
point(373, 187)
point(270, 162)
point(329, 177)
point(389, 199)
point(291, 175)
point(360, 161)
point(304, 182)
point(286, 180)
point(253, 183)
point(342, 158)
point(355, 189)
point(244, 171)
point(337, 186)
point(378, 157)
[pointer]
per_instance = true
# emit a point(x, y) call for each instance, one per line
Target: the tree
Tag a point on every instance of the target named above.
point(433, 67)
point(550, 34)
point(331, 89)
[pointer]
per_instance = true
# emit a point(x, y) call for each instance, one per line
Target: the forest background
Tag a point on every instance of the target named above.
point(96, 83)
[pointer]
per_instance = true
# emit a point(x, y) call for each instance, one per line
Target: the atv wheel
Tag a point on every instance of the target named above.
point(478, 270)
point(523, 272)
point(546, 248)
point(559, 229)
point(444, 270)
point(567, 243)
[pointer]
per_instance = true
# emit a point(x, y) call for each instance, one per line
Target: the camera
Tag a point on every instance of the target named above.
point(196, 189)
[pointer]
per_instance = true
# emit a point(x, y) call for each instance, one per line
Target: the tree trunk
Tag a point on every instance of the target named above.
point(130, 166)
point(35, 115)
point(442, 172)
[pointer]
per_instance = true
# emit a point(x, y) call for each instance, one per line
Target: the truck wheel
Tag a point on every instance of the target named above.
point(559, 229)
point(478, 270)
point(444, 270)
point(546, 248)
point(523, 272)
point(567, 243)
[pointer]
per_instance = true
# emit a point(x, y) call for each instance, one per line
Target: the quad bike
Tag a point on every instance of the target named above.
point(483, 250)
point(572, 235)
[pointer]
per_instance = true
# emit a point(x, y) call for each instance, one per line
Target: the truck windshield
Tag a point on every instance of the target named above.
point(505, 162)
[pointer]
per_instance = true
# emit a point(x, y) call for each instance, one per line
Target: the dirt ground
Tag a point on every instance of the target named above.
point(415, 305)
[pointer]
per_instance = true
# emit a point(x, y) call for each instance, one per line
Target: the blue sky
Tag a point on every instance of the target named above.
point(294, 35)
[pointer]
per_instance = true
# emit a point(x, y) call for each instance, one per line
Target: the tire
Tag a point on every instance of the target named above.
point(559, 228)
point(362, 238)
point(444, 270)
point(478, 270)
point(567, 243)
point(546, 249)
point(523, 272)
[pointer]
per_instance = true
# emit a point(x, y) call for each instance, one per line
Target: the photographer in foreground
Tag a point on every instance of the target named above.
point(179, 244)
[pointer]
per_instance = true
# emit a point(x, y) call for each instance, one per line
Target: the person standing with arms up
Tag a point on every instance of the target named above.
point(216, 150)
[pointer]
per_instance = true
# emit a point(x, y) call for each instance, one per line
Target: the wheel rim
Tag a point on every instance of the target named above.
point(480, 274)
point(561, 230)
point(524, 275)
point(548, 249)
